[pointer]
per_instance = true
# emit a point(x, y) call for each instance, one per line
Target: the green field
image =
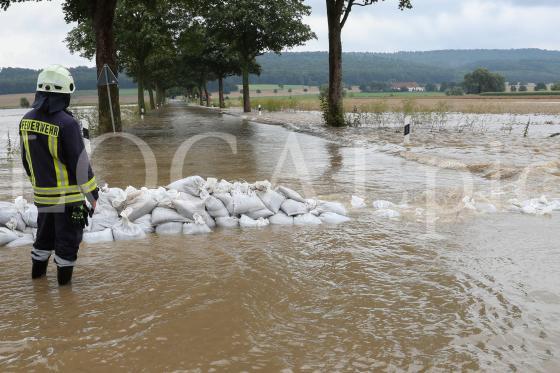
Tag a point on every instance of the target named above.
point(93, 92)
point(521, 94)
point(270, 87)
point(392, 94)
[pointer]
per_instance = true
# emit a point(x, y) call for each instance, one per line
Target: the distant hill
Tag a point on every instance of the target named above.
point(311, 68)
point(17, 80)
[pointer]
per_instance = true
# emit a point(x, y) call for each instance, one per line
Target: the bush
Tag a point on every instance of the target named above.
point(541, 87)
point(275, 91)
point(258, 91)
point(305, 89)
point(24, 102)
point(523, 88)
point(289, 90)
point(555, 87)
point(455, 91)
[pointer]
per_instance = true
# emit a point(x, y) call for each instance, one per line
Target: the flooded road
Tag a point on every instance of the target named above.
point(445, 290)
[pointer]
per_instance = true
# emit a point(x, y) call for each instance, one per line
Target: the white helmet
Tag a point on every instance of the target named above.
point(56, 79)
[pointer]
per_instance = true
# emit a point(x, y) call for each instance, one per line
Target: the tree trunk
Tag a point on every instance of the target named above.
point(335, 114)
point(141, 103)
point(158, 97)
point(105, 53)
point(221, 92)
point(246, 98)
point(152, 102)
point(206, 95)
point(200, 98)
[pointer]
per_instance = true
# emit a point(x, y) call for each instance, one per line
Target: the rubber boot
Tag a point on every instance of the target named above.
point(39, 269)
point(64, 275)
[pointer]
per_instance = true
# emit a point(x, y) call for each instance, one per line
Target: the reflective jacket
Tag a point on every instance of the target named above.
point(55, 159)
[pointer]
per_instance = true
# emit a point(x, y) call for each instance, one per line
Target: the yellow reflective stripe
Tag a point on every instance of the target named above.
point(89, 186)
point(58, 200)
point(54, 152)
point(71, 189)
point(25, 136)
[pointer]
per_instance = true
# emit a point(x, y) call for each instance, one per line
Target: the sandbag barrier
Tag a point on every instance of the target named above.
point(189, 206)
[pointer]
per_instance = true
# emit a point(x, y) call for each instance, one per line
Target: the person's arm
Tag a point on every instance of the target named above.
point(23, 152)
point(76, 159)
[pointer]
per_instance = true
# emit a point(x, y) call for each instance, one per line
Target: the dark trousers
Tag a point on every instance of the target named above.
point(55, 231)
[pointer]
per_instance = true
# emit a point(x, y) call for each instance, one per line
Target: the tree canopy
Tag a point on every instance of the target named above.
point(482, 80)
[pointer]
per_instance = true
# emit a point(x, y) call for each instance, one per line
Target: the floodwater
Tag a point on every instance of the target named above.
point(438, 289)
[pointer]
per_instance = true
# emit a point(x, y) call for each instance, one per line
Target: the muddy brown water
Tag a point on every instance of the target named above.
point(476, 292)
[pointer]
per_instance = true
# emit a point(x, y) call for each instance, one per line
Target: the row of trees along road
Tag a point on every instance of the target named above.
point(185, 43)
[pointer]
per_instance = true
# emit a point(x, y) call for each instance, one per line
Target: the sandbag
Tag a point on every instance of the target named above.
point(162, 215)
point(336, 207)
point(307, 219)
point(244, 203)
point(281, 219)
point(191, 185)
point(290, 193)
point(141, 203)
point(28, 212)
point(271, 199)
point(262, 213)
point(358, 202)
point(292, 207)
point(333, 218)
point(215, 207)
point(7, 212)
point(145, 222)
point(227, 222)
point(125, 230)
point(247, 222)
point(105, 216)
point(170, 228)
point(24, 240)
point(188, 205)
point(7, 236)
point(197, 227)
point(105, 235)
point(226, 199)
point(164, 197)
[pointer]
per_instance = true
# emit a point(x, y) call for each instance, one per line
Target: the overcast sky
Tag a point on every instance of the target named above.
point(32, 34)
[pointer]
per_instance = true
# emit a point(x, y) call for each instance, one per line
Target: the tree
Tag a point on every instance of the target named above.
point(99, 14)
point(555, 87)
point(431, 87)
point(513, 88)
point(481, 80)
point(338, 12)
point(523, 88)
point(252, 28)
point(541, 87)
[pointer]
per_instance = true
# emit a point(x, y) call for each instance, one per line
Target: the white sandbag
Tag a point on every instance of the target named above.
point(271, 199)
point(24, 240)
point(164, 197)
point(30, 216)
point(333, 218)
point(191, 185)
point(104, 216)
point(140, 203)
point(336, 207)
point(115, 196)
point(382, 204)
point(145, 222)
point(7, 212)
point(290, 193)
point(227, 222)
point(247, 222)
point(125, 230)
point(7, 236)
point(262, 213)
point(215, 207)
point(189, 205)
point(197, 227)
point(226, 199)
point(486, 208)
point(105, 235)
point(170, 228)
point(244, 203)
point(387, 213)
point(307, 219)
point(162, 215)
point(292, 207)
point(358, 202)
point(223, 186)
point(281, 219)
point(241, 187)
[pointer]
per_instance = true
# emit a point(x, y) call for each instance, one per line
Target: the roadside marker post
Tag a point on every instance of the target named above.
point(107, 78)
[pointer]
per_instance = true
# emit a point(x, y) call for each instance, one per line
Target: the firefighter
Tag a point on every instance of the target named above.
point(54, 158)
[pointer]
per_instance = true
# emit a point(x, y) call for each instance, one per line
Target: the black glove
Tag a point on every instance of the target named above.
point(79, 216)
